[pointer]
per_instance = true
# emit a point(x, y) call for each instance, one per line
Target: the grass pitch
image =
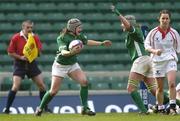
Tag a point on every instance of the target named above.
point(98, 117)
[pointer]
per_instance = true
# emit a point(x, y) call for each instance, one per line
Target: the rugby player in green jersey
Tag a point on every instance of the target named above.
point(141, 69)
point(66, 64)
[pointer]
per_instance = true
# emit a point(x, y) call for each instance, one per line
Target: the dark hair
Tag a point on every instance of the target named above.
point(164, 12)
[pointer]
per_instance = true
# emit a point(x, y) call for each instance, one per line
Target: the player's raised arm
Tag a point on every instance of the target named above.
point(124, 21)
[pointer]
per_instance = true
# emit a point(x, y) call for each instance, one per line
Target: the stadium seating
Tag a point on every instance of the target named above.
point(3, 47)
point(50, 17)
point(8, 7)
point(26, 84)
point(6, 83)
point(99, 83)
point(28, 6)
point(6, 26)
point(2, 17)
point(66, 7)
point(14, 17)
point(118, 86)
point(65, 85)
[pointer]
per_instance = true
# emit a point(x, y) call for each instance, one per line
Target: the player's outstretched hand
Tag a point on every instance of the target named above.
point(115, 10)
point(75, 50)
point(107, 43)
point(157, 52)
point(23, 58)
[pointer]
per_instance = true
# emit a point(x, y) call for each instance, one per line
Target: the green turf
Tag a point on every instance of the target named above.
point(98, 117)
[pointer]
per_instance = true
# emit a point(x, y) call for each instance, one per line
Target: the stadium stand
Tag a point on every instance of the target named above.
point(99, 23)
point(6, 83)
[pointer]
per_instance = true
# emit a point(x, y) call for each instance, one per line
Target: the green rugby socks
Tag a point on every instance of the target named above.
point(46, 99)
point(84, 96)
point(137, 99)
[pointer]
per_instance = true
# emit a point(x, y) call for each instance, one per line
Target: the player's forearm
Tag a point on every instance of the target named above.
point(65, 53)
point(125, 22)
point(151, 50)
point(15, 56)
point(94, 43)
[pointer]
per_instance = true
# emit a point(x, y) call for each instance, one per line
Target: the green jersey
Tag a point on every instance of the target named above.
point(63, 42)
point(135, 43)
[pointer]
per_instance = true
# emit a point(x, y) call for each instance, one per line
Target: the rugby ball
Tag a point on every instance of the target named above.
point(75, 43)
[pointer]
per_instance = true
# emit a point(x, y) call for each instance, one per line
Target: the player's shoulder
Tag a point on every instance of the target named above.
point(15, 36)
point(136, 29)
point(63, 37)
point(82, 36)
point(152, 32)
point(36, 36)
point(154, 29)
point(173, 30)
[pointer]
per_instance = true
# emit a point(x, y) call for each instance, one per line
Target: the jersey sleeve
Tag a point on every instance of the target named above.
point(83, 38)
point(38, 42)
point(12, 45)
point(177, 42)
point(62, 45)
point(147, 42)
point(136, 34)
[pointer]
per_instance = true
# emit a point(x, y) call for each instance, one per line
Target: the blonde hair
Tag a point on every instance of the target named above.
point(131, 19)
point(26, 22)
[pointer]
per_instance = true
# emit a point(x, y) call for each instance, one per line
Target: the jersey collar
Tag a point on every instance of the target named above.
point(163, 32)
point(22, 35)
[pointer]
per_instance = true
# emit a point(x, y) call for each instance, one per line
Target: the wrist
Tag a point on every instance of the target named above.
point(101, 44)
point(19, 57)
point(116, 11)
point(153, 51)
point(71, 53)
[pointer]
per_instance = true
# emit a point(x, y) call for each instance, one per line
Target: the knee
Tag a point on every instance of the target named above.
point(159, 89)
point(15, 87)
point(131, 88)
point(171, 85)
point(53, 92)
point(42, 87)
point(84, 83)
point(153, 91)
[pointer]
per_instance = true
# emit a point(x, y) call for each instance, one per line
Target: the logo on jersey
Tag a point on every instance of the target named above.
point(157, 39)
point(172, 65)
point(158, 72)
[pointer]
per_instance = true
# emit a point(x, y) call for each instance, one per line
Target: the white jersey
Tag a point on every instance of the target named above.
point(168, 42)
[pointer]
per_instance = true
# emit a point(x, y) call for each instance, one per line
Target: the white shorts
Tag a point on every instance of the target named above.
point(143, 65)
point(161, 68)
point(63, 70)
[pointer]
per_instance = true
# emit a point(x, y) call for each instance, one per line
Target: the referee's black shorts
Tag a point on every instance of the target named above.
point(22, 68)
